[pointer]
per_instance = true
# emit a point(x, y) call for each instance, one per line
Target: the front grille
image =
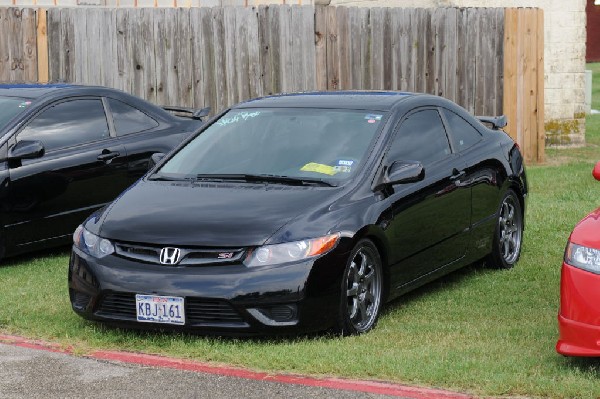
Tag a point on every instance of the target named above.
point(188, 257)
point(202, 311)
point(198, 311)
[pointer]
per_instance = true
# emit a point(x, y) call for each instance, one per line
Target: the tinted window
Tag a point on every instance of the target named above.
point(68, 123)
point(128, 119)
point(421, 137)
point(11, 106)
point(463, 134)
point(305, 142)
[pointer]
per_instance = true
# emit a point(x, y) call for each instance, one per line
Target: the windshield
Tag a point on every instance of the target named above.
point(11, 106)
point(293, 142)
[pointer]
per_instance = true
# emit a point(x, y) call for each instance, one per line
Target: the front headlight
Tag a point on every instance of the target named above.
point(583, 257)
point(291, 251)
point(92, 244)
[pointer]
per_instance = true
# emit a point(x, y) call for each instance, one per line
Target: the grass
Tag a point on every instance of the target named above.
point(486, 332)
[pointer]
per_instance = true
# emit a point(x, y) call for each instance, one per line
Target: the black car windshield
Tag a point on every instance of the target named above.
point(11, 106)
point(298, 143)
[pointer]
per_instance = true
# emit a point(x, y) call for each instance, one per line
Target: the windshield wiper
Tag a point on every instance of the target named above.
point(266, 178)
point(159, 177)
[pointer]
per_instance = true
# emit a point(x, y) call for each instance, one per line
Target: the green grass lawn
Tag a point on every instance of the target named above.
point(486, 332)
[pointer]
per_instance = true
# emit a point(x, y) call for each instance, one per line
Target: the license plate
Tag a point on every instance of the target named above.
point(160, 309)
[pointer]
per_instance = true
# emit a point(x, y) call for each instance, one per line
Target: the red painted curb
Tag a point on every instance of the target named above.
point(374, 387)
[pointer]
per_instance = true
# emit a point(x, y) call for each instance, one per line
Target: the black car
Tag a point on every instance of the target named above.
point(303, 212)
point(68, 150)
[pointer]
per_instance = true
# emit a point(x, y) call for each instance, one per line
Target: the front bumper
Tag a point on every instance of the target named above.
point(579, 314)
point(224, 299)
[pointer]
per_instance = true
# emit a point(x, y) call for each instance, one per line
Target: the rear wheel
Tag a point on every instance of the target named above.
point(508, 235)
point(362, 290)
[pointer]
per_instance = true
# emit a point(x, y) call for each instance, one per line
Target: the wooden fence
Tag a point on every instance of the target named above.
point(487, 60)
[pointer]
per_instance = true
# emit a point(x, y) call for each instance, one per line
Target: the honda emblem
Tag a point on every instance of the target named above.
point(169, 256)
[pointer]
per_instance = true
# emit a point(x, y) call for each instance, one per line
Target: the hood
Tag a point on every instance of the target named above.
point(208, 214)
point(587, 231)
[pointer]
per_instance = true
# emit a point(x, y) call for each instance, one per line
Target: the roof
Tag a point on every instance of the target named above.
point(371, 100)
point(27, 90)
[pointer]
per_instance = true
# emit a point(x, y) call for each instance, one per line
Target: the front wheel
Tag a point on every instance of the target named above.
point(362, 290)
point(508, 235)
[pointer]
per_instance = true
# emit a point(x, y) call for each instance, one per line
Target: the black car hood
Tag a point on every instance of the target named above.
point(208, 214)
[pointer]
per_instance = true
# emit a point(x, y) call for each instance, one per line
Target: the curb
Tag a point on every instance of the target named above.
point(374, 387)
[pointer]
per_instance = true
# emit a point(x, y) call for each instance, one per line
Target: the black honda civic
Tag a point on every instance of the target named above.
point(303, 212)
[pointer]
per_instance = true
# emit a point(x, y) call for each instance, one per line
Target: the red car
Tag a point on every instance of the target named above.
point(579, 314)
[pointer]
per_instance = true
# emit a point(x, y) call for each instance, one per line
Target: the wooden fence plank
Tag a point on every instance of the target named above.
point(294, 76)
point(376, 41)
point(451, 50)
point(123, 78)
point(388, 50)
point(286, 37)
point(481, 63)
point(255, 76)
point(430, 52)
point(182, 69)
point(333, 55)
point(541, 134)
point(43, 69)
point(307, 29)
point(29, 50)
point(344, 42)
point(274, 20)
point(527, 63)
point(202, 63)
point(242, 60)
point(218, 37)
point(4, 55)
point(509, 107)
point(230, 49)
point(321, 37)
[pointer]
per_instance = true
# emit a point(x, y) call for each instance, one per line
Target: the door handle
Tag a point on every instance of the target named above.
point(108, 155)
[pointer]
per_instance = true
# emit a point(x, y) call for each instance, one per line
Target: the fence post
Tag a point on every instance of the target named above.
point(42, 46)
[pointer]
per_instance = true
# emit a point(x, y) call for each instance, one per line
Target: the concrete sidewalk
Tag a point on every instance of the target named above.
point(39, 370)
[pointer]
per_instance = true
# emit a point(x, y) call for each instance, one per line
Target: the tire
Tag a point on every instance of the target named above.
point(361, 291)
point(508, 234)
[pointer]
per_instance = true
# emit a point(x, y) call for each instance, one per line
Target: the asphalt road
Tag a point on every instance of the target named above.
point(34, 373)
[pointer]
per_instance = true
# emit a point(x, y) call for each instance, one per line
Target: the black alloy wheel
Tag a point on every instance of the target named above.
point(362, 290)
point(508, 235)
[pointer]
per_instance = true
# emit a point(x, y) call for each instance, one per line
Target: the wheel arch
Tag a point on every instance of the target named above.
point(375, 234)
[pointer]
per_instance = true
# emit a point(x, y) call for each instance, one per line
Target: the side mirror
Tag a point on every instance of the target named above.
point(26, 149)
point(154, 159)
point(596, 171)
point(401, 172)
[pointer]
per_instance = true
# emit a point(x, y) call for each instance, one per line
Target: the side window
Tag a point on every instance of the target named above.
point(68, 123)
point(128, 119)
point(463, 134)
point(421, 137)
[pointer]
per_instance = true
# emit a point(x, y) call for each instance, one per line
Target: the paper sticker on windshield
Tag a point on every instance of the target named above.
point(372, 118)
point(319, 168)
point(342, 169)
point(25, 104)
point(343, 165)
point(344, 162)
point(242, 116)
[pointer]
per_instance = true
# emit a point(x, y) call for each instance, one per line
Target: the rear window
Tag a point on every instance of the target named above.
point(10, 107)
